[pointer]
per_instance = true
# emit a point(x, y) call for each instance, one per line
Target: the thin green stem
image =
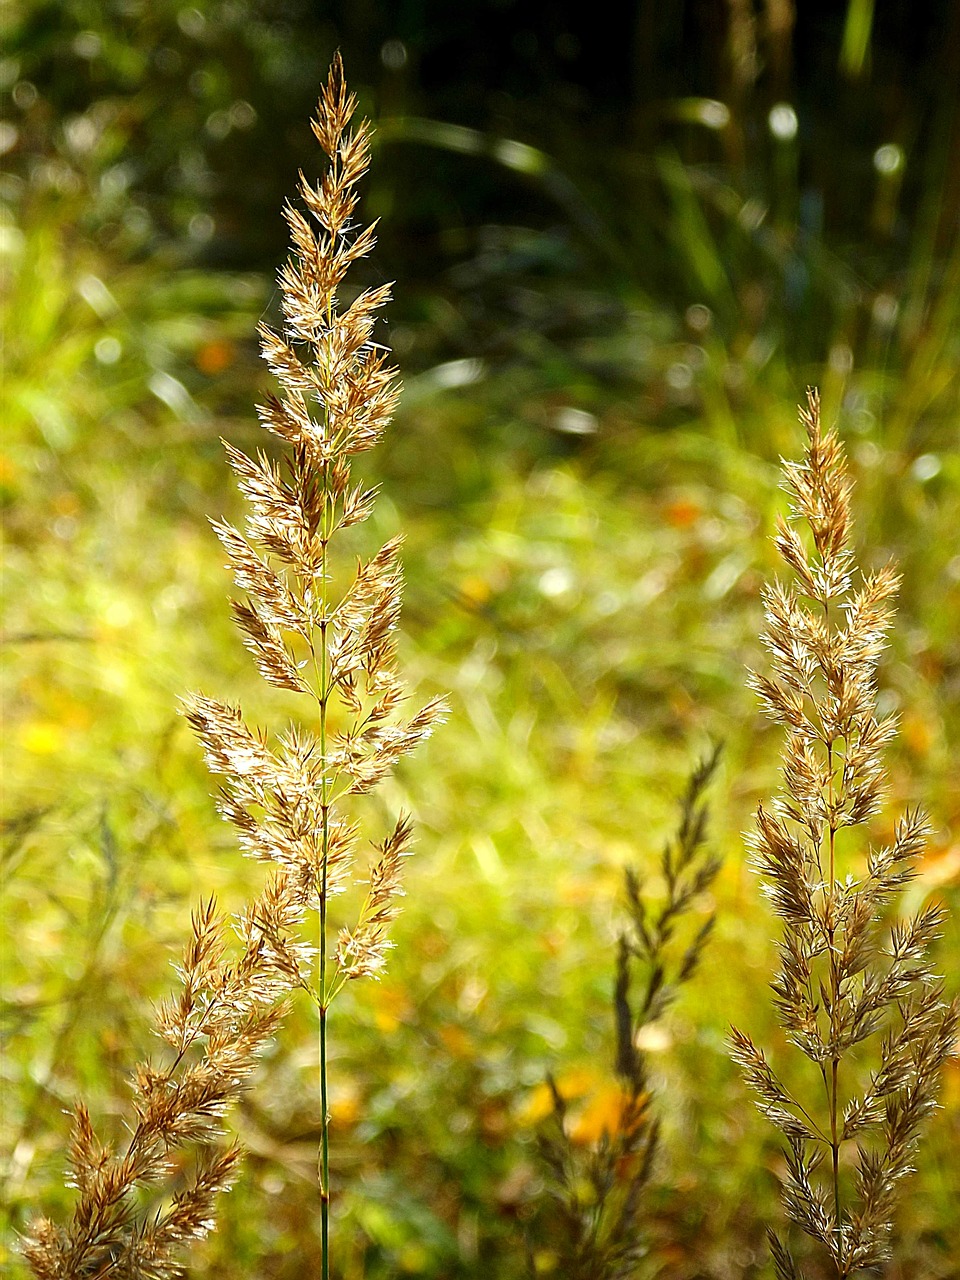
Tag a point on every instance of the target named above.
point(324, 1155)
point(324, 1169)
point(834, 986)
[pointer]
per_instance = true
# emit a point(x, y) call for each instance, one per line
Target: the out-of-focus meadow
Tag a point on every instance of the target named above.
point(623, 245)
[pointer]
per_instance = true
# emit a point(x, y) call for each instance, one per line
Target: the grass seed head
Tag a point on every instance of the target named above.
point(844, 978)
point(284, 793)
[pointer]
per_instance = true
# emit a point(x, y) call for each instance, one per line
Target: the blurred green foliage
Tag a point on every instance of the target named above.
point(620, 255)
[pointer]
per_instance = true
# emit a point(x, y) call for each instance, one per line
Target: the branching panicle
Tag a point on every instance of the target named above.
point(598, 1191)
point(285, 796)
point(214, 1028)
point(311, 629)
point(334, 646)
point(842, 980)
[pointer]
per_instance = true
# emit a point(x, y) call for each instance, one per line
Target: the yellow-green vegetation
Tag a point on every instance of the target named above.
point(585, 465)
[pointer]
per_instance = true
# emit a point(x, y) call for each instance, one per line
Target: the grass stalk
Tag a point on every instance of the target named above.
point(286, 793)
point(826, 632)
point(303, 612)
point(324, 1166)
point(597, 1188)
point(226, 1010)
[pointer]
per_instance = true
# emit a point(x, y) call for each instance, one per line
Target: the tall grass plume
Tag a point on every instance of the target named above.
point(850, 988)
point(311, 628)
point(326, 633)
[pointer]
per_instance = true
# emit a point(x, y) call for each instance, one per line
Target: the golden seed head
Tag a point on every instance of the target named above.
point(311, 634)
point(841, 981)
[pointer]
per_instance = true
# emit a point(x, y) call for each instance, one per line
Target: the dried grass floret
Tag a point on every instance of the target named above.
point(228, 1006)
point(844, 977)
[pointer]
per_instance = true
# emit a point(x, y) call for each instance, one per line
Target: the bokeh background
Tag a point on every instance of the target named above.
point(625, 239)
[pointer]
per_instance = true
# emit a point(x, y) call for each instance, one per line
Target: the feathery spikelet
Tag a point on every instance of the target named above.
point(312, 629)
point(598, 1192)
point(333, 644)
point(843, 980)
point(214, 1029)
